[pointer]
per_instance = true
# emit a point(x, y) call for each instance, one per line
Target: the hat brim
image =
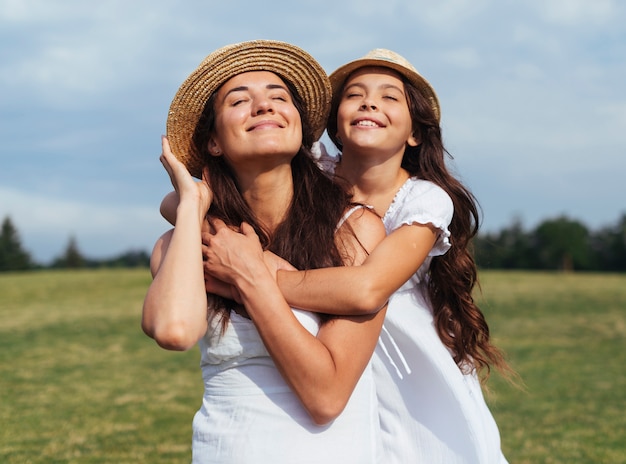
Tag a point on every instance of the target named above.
point(289, 62)
point(339, 76)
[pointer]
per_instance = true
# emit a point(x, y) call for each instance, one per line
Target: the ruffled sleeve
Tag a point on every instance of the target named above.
point(422, 202)
point(324, 160)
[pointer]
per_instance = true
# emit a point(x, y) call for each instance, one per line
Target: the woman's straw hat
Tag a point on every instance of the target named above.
point(288, 61)
point(388, 59)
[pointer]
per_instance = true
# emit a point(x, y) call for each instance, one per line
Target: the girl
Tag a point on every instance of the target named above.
point(281, 386)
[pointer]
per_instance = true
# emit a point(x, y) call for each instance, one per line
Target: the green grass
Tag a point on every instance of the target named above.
point(80, 382)
point(565, 334)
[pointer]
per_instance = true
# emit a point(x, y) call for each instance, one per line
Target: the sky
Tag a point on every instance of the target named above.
point(533, 96)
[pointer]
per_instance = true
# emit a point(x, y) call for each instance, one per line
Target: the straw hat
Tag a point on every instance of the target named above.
point(288, 61)
point(388, 59)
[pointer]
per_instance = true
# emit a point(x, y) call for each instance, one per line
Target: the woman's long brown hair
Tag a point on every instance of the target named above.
point(306, 237)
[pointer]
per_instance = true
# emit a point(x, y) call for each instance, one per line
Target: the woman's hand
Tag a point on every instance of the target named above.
point(186, 187)
point(230, 255)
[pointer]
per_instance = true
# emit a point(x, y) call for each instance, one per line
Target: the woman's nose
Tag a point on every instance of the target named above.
point(263, 105)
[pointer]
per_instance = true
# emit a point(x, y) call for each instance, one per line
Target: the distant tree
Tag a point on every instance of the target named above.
point(609, 246)
point(508, 249)
point(562, 244)
point(133, 258)
point(12, 256)
point(71, 258)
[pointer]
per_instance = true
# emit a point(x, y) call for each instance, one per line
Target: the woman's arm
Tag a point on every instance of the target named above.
point(168, 207)
point(361, 289)
point(175, 306)
point(322, 370)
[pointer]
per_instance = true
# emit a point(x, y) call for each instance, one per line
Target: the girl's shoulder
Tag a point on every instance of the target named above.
point(420, 201)
point(419, 195)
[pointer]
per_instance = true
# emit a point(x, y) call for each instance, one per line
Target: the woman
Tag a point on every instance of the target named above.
point(435, 341)
point(281, 386)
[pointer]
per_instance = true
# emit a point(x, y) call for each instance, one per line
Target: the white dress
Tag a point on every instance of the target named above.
point(250, 415)
point(430, 412)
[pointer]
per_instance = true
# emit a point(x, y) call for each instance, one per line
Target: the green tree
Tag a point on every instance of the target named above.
point(562, 244)
point(12, 256)
point(508, 249)
point(72, 258)
point(609, 246)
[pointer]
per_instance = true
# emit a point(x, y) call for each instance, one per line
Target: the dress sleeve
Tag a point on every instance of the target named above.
point(324, 160)
point(427, 203)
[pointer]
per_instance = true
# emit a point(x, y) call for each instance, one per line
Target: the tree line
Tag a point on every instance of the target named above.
point(560, 243)
point(556, 244)
point(13, 256)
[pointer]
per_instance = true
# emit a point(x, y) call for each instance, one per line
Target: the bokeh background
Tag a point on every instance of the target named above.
point(533, 98)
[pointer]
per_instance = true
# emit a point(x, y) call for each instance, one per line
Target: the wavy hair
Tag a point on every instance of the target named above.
point(306, 237)
point(460, 323)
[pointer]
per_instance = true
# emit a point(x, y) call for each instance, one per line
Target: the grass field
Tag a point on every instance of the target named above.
point(80, 383)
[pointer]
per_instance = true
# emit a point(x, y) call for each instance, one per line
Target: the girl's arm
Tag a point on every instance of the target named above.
point(366, 288)
point(175, 306)
point(322, 370)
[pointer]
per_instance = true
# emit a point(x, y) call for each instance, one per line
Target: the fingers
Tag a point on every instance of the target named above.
point(247, 229)
point(216, 225)
point(167, 158)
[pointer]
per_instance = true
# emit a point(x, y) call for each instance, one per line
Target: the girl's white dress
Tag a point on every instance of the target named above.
point(250, 415)
point(430, 412)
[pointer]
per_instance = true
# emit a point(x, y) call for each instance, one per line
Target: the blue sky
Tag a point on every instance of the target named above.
point(533, 95)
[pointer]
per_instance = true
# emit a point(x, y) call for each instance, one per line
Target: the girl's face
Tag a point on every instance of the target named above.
point(373, 112)
point(255, 120)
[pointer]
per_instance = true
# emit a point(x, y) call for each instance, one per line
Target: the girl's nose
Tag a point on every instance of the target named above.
point(368, 105)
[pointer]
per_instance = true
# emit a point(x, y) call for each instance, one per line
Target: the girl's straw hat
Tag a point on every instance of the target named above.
point(289, 62)
point(388, 59)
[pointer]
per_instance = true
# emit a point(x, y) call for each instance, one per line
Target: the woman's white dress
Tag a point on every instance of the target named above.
point(430, 412)
point(250, 415)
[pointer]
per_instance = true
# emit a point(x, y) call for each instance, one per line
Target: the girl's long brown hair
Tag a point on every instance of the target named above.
point(306, 237)
point(460, 323)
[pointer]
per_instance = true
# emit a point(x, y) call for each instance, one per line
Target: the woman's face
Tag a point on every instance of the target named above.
point(374, 112)
point(255, 120)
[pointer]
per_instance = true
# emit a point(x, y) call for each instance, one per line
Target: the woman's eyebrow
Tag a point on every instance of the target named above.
point(244, 88)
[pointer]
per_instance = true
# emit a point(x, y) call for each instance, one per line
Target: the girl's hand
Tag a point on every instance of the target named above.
point(275, 263)
point(186, 187)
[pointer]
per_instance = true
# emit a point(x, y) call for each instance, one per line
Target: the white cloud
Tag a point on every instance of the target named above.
point(45, 225)
point(74, 50)
point(464, 58)
point(532, 93)
point(576, 12)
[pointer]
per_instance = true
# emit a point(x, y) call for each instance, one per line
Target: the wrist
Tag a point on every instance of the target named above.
point(190, 207)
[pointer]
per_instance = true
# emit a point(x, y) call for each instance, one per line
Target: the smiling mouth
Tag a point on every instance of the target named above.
point(366, 123)
point(265, 125)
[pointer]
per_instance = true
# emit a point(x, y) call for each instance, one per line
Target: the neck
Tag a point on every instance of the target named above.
point(268, 193)
point(375, 180)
